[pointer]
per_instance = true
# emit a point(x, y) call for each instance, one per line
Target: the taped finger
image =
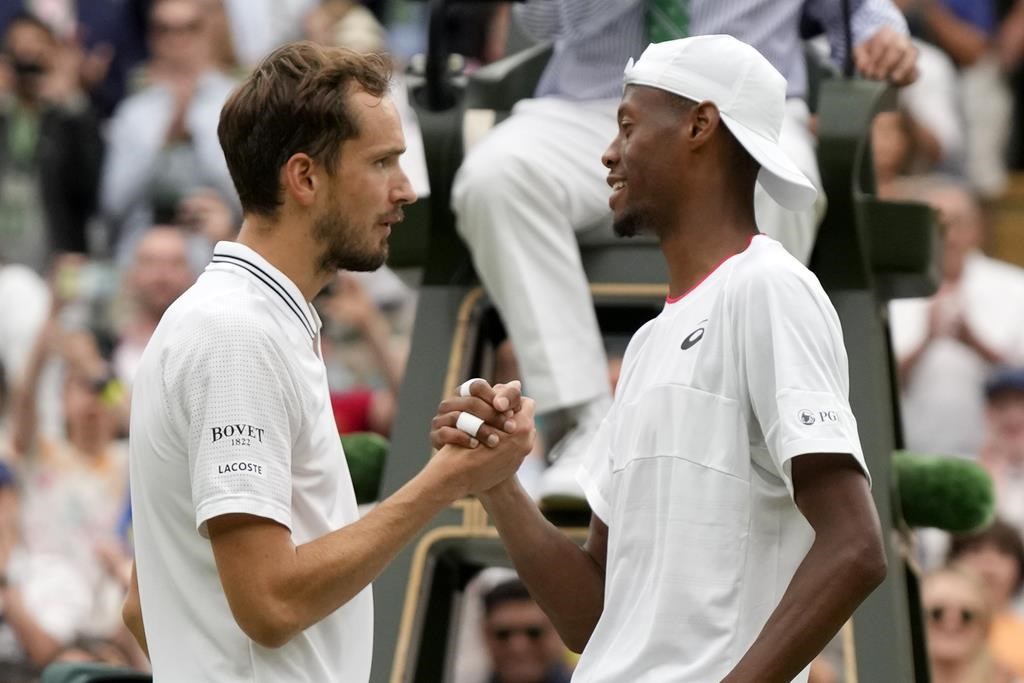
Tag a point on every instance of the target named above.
point(468, 423)
point(465, 386)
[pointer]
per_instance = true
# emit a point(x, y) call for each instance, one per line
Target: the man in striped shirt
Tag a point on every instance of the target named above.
point(536, 180)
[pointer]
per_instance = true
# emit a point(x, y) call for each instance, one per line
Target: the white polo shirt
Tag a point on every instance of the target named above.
point(690, 470)
point(231, 414)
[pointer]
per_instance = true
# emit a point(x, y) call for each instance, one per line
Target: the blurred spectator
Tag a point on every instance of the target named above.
point(521, 642)
point(73, 485)
point(947, 344)
point(159, 273)
point(925, 134)
point(896, 146)
point(969, 32)
point(347, 304)
point(345, 23)
point(222, 42)
point(342, 23)
point(957, 623)
point(163, 140)
point(50, 147)
point(1002, 451)
point(996, 556)
point(112, 34)
point(260, 26)
point(25, 301)
point(933, 102)
point(44, 602)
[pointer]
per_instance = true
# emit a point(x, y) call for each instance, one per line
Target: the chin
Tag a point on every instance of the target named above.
point(629, 224)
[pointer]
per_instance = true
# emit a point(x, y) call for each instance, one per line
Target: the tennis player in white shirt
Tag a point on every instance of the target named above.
point(733, 529)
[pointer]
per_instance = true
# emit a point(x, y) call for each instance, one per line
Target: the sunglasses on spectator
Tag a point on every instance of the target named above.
point(504, 635)
point(166, 28)
point(938, 614)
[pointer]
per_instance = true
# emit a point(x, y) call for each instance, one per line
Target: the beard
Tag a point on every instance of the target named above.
point(342, 249)
point(632, 223)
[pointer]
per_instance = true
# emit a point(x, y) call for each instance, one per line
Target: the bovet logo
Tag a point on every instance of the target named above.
point(236, 430)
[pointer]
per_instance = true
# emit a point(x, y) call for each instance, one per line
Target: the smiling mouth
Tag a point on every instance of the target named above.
point(619, 185)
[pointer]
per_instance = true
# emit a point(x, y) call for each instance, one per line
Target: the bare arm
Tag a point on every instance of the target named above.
point(276, 589)
point(131, 612)
point(40, 647)
point(845, 563)
point(573, 594)
point(24, 413)
point(964, 43)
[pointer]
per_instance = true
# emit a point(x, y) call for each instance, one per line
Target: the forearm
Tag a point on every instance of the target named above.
point(565, 579)
point(328, 572)
point(24, 412)
point(40, 647)
point(131, 613)
point(905, 366)
point(964, 43)
point(812, 610)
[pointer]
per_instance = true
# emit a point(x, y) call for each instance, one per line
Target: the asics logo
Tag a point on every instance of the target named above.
point(694, 336)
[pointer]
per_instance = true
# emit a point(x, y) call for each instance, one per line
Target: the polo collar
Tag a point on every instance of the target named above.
point(285, 291)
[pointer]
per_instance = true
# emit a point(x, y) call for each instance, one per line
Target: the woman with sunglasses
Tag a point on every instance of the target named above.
point(958, 618)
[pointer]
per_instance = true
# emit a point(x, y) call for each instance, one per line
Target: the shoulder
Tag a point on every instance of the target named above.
point(766, 270)
point(994, 271)
point(219, 319)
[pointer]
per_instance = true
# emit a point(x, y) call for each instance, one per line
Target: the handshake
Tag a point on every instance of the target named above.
point(481, 437)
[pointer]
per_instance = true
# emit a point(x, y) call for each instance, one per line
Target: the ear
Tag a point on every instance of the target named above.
point(301, 177)
point(704, 120)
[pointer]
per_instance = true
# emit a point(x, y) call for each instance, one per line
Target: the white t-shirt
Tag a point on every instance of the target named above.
point(231, 414)
point(690, 470)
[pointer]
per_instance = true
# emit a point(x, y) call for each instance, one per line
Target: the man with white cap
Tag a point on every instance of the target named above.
point(733, 530)
point(533, 186)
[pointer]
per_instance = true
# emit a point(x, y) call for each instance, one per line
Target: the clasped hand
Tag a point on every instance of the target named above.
point(504, 438)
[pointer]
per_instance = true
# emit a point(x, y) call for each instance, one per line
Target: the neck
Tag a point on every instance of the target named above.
point(945, 671)
point(286, 245)
point(89, 442)
point(707, 230)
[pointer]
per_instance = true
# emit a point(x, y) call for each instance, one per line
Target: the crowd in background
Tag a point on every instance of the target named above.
point(113, 191)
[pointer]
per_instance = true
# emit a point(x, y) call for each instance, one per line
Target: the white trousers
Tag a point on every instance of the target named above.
point(520, 197)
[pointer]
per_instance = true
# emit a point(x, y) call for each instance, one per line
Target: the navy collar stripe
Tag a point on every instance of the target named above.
point(268, 280)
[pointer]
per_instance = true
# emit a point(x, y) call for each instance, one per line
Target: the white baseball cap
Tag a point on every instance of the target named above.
point(750, 95)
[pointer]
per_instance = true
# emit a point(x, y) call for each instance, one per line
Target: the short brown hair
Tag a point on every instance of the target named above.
point(999, 535)
point(295, 101)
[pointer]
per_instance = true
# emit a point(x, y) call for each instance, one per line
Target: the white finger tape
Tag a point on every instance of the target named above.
point(469, 423)
point(464, 387)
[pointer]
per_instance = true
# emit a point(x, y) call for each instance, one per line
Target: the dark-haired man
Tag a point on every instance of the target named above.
point(521, 642)
point(252, 562)
point(733, 530)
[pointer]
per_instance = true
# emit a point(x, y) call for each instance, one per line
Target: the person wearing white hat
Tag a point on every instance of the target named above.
point(533, 185)
point(733, 530)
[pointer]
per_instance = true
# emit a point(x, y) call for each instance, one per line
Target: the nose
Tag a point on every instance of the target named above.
point(403, 192)
point(611, 155)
